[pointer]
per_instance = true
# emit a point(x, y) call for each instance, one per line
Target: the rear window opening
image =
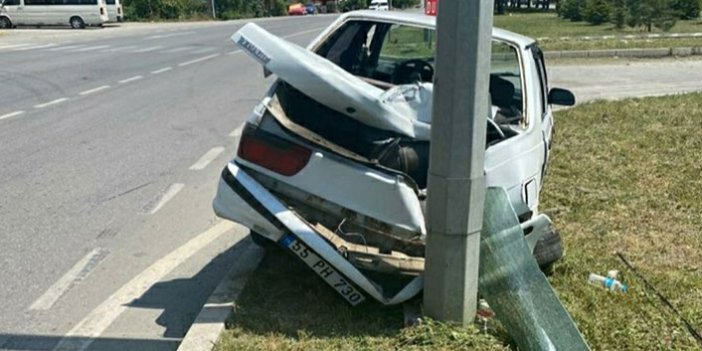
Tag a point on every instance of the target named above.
point(385, 148)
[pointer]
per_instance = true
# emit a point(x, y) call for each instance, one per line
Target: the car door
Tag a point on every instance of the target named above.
point(16, 10)
point(545, 109)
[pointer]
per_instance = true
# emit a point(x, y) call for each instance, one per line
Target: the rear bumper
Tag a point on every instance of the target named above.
point(242, 199)
point(234, 202)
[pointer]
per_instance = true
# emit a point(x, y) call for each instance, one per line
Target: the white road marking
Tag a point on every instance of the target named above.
point(170, 193)
point(207, 158)
point(12, 46)
point(165, 69)
point(198, 60)
point(79, 271)
point(203, 50)
point(237, 132)
point(319, 29)
point(12, 114)
point(178, 49)
point(53, 102)
point(150, 48)
point(161, 36)
point(91, 48)
point(94, 90)
point(34, 47)
point(121, 48)
point(67, 47)
point(234, 52)
point(96, 322)
point(130, 79)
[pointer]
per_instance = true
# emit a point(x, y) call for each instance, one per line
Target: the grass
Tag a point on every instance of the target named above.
point(624, 176)
point(551, 45)
point(541, 25)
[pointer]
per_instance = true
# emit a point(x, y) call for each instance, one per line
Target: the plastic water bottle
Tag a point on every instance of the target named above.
point(606, 282)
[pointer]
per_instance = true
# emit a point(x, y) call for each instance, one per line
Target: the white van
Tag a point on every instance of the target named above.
point(76, 13)
point(379, 5)
point(114, 11)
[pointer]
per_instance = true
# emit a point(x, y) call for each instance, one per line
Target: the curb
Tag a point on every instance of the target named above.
point(638, 53)
point(210, 322)
point(624, 37)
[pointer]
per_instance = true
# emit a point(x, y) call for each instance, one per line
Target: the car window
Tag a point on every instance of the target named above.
point(405, 42)
point(403, 54)
point(543, 77)
point(505, 77)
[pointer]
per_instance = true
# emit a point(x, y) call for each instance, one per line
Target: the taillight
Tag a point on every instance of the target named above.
point(119, 10)
point(102, 11)
point(273, 153)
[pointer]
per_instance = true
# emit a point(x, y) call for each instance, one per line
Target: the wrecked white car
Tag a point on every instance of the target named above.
point(333, 162)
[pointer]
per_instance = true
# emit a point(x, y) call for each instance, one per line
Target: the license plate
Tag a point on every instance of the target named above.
point(324, 270)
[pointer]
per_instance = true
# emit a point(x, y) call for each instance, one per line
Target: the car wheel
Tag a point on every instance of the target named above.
point(262, 241)
point(77, 23)
point(5, 23)
point(548, 249)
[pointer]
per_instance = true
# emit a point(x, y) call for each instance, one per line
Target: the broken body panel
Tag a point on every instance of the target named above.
point(354, 197)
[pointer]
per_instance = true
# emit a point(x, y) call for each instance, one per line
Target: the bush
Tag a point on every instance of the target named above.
point(619, 11)
point(571, 9)
point(650, 13)
point(351, 5)
point(596, 11)
point(280, 8)
point(162, 9)
point(687, 9)
point(404, 3)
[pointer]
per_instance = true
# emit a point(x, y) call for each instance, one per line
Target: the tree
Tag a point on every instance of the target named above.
point(571, 9)
point(650, 13)
point(619, 11)
point(596, 11)
point(687, 9)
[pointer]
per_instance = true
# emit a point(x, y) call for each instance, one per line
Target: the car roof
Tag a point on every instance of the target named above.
point(420, 19)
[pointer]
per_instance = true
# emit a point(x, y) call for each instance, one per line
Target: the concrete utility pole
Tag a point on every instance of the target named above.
point(214, 12)
point(456, 172)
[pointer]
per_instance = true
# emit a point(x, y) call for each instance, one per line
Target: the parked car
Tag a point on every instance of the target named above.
point(379, 5)
point(311, 9)
point(296, 10)
point(76, 13)
point(332, 163)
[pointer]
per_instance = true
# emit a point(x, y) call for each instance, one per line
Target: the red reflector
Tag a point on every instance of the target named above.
point(430, 7)
point(274, 154)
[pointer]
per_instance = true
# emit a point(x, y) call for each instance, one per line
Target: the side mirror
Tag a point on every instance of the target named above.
point(563, 97)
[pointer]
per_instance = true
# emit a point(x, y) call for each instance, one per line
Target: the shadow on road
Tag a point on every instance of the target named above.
point(180, 300)
point(48, 342)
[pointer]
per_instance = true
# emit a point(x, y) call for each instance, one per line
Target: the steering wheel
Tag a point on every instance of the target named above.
point(412, 71)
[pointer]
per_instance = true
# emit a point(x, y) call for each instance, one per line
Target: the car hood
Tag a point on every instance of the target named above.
point(404, 109)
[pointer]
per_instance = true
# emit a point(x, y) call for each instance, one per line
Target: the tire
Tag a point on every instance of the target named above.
point(262, 241)
point(5, 23)
point(76, 22)
point(548, 249)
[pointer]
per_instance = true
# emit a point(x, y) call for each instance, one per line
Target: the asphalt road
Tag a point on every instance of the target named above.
point(112, 141)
